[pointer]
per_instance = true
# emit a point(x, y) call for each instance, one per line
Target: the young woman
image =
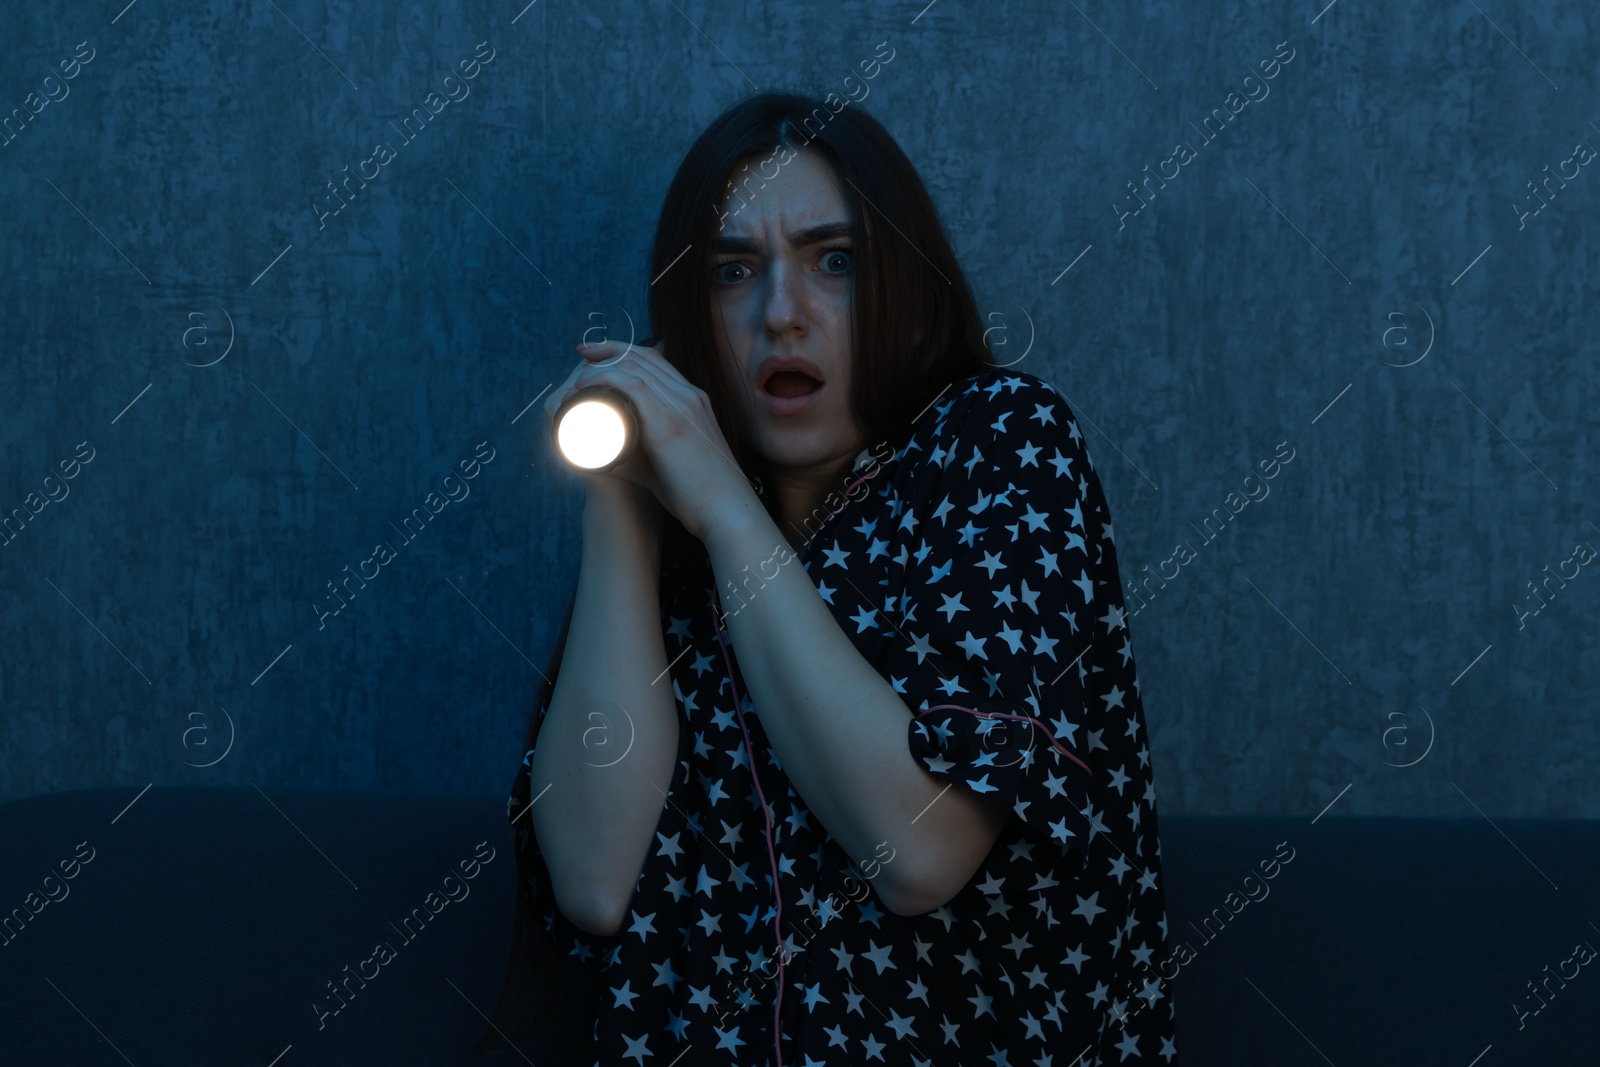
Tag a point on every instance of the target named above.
point(841, 754)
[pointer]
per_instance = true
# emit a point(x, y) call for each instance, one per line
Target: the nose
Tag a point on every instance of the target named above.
point(784, 310)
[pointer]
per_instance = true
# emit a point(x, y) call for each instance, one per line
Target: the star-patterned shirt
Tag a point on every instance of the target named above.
point(978, 576)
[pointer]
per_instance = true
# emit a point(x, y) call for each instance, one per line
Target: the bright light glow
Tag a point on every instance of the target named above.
point(591, 434)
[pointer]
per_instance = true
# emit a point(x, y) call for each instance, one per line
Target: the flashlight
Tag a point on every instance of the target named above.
point(597, 427)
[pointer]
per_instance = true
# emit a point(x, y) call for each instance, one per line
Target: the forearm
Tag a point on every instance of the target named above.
point(838, 727)
point(610, 738)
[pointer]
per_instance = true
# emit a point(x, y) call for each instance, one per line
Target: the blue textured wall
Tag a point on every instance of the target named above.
point(249, 388)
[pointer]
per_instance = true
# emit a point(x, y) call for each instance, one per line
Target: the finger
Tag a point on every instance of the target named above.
point(602, 353)
point(656, 395)
point(679, 400)
point(651, 397)
point(560, 393)
point(608, 352)
point(684, 392)
point(671, 386)
point(658, 390)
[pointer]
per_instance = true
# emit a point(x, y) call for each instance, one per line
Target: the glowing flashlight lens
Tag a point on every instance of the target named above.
point(591, 434)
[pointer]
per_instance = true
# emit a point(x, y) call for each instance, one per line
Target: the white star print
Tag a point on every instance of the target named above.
point(879, 956)
point(951, 605)
point(1044, 871)
point(636, 1048)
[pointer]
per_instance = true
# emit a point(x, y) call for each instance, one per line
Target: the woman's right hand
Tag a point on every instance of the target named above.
point(625, 493)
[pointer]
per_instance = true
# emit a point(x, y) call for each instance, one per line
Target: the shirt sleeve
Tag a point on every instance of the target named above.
point(1004, 597)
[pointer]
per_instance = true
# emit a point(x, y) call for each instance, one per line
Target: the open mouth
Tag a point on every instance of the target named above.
point(788, 383)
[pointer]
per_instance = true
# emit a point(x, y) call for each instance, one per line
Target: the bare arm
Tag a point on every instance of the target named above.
point(839, 729)
point(595, 823)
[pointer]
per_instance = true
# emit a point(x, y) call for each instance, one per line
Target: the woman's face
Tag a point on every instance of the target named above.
point(780, 287)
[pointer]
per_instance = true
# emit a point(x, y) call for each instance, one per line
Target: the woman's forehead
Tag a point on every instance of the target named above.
point(803, 193)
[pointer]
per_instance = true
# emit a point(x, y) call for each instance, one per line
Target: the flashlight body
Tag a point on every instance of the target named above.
point(621, 402)
point(625, 408)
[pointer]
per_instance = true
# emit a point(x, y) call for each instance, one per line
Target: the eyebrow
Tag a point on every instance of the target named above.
point(810, 235)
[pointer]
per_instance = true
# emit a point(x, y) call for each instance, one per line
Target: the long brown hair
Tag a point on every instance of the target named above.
point(915, 328)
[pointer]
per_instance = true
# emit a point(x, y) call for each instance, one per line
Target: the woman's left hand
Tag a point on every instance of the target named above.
point(694, 475)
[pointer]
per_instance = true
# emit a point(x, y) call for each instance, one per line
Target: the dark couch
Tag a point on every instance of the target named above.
point(204, 926)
